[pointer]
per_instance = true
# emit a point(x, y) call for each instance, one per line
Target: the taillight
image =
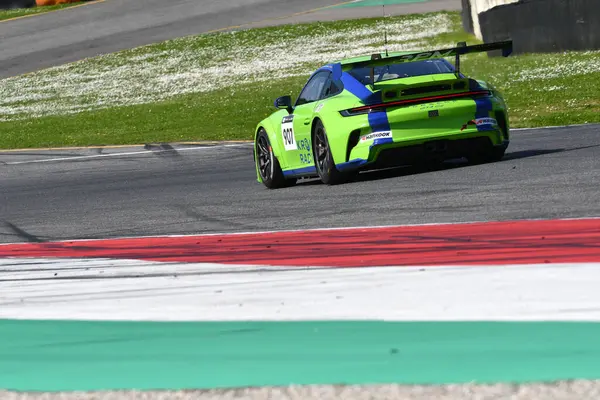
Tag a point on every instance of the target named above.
point(382, 106)
point(358, 111)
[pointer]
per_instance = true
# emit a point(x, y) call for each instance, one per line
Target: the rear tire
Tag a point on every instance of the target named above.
point(268, 165)
point(326, 169)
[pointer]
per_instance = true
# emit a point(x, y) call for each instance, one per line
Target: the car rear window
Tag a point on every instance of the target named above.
point(404, 70)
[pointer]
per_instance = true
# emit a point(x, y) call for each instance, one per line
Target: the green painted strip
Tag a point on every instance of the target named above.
point(51, 356)
point(378, 3)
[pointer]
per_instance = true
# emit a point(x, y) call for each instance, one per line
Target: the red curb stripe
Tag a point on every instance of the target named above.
point(490, 243)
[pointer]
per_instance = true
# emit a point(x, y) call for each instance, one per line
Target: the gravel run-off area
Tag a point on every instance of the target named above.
point(579, 389)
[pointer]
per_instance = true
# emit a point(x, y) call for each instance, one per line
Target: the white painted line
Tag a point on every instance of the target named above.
point(14, 268)
point(133, 153)
point(147, 291)
point(311, 230)
point(555, 127)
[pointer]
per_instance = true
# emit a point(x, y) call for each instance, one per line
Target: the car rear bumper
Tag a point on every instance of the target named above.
point(392, 154)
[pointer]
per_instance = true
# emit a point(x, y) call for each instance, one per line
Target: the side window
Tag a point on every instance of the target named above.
point(314, 88)
point(332, 88)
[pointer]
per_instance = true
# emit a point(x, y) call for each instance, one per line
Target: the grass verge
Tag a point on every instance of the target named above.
point(218, 86)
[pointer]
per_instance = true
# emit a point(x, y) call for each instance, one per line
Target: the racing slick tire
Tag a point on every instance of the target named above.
point(326, 169)
point(268, 165)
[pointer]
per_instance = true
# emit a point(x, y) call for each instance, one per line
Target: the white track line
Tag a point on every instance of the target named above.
point(133, 153)
point(555, 127)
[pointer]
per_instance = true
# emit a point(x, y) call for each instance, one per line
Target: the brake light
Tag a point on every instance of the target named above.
point(382, 106)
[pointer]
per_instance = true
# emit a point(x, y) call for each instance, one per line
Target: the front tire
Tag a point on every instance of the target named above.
point(268, 165)
point(326, 169)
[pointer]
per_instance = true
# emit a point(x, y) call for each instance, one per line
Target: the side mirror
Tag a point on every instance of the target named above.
point(284, 103)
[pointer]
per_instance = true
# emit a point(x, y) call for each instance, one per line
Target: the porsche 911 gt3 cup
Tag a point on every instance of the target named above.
point(380, 111)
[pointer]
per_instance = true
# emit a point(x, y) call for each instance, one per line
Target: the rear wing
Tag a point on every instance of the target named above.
point(461, 49)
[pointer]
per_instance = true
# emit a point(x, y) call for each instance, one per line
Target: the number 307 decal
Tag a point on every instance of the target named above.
point(287, 131)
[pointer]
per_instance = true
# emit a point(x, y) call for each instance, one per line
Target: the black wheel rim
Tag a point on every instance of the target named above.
point(265, 160)
point(322, 150)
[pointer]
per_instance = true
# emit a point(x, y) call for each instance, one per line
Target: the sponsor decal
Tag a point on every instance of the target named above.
point(481, 123)
point(426, 55)
point(376, 135)
point(287, 132)
point(486, 121)
point(306, 158)
point(304, 144)
point(305, 151)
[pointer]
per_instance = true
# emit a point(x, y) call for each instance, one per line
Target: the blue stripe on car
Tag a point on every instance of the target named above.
point(378, 121)
point(484, 107)
point(300, 172)
point(355, 87)
point(486, 128)
point(378, 142)
point(337, 71)
point(350, 165)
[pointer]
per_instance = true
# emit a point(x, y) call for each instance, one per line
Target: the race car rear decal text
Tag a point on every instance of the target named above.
point(376, 135)
point(426, 55)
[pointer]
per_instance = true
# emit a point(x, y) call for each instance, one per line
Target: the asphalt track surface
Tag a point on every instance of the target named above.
point(55, 38)
point(547, 173)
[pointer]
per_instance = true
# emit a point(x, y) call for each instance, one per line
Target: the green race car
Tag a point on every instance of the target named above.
point(381, 111)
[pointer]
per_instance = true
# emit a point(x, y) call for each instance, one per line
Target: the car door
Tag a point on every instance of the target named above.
point(296, 127)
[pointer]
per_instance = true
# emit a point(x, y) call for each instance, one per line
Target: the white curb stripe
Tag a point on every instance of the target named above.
point(146, 291)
